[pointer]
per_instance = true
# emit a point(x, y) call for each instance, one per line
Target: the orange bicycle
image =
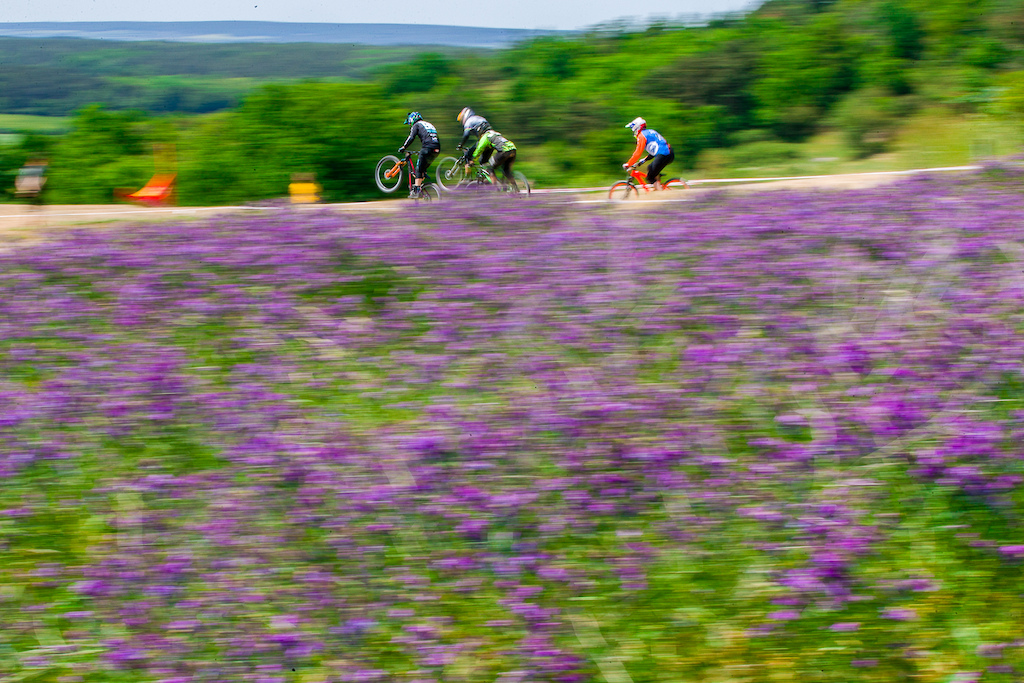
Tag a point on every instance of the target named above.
point(629, 188)
point(389, 176)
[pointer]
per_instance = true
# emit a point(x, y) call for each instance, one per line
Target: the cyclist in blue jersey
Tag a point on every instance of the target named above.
point(427, 134)
point(657, 148)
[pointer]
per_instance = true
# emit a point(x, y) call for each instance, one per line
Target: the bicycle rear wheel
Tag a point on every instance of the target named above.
point(622, 191)
point(388, 174)
point(451, 172)
point(522, 182)
point(677, 184)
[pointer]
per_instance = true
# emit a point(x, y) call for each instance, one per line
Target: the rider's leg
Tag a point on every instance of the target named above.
point(417, 176)
point(658, 163)
point(427, 156)
point(486, 163)
point(654, 170)
point(506, 160)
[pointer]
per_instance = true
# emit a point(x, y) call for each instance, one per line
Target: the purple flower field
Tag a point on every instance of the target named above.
point(765, 438)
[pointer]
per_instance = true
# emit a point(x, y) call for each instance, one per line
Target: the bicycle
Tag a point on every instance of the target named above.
point(628, 189)
point(457, 173)
point(390, 170)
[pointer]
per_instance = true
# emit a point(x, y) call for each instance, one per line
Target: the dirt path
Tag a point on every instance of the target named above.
point(849, 181)
point(20, 223)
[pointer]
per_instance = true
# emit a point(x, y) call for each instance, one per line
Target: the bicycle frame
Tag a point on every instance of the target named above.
point(475, 171)
point(397, 168)
point(635, 179)
point(389, 178)
point(478, 173)
point(481, 174)
point(640, 179)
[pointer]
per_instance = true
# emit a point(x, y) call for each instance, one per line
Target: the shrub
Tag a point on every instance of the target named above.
point(868, 120)
point(762, 153)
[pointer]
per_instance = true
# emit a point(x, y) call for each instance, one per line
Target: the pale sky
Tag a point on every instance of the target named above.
point(532, 14)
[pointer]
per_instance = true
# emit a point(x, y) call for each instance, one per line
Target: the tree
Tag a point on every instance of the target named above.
point(903, 30)
point(104, 150)
point(721, 76)
point(801, 74)
point(419, 75)
point(324, 128)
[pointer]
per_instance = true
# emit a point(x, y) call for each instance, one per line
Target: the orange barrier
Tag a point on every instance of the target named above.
point(159, 191)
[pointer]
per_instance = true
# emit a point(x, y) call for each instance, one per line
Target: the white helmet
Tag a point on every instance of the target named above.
point(636, 125)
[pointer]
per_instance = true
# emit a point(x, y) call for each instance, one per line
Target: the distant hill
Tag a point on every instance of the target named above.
point(275, 32)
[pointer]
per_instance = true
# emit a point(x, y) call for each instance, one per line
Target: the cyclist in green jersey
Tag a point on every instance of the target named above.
point(500, 152)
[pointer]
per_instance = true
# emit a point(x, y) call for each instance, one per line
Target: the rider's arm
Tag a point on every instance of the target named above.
point(470, 125)
point(413, 132)
point(481, 145)
point(641, 144)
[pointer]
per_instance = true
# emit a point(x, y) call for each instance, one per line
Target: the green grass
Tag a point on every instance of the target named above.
point(930, 138)
point(226, 84)
point(17, 123)
point(936, 139)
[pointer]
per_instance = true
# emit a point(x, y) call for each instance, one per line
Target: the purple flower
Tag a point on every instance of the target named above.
point(784, 615)
point(864, 663)
point(899, 614)
point(1001, 669)
point(966, 677)
point(845, 626)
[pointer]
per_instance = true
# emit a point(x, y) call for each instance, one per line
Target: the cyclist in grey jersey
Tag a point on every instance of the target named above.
point(472, 124)
point(427, 134)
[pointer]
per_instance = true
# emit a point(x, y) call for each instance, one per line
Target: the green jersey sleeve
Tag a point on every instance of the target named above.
point(483, 143)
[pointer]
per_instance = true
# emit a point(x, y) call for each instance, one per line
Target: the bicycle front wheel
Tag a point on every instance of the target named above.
point(389, 173)
point(430, 193)
point(622, 191)
point(451, 172)
point(478, 184)
point(677, 184)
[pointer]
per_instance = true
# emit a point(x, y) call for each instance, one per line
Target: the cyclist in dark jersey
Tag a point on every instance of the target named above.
point(655, 145)
point(472, 124)
point(492, 142)
point(427, 134)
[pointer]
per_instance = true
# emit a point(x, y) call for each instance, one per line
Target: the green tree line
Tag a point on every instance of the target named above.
point(773, 76)
point(59, 76)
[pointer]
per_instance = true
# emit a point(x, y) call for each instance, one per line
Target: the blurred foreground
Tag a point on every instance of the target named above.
point(758, 438)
